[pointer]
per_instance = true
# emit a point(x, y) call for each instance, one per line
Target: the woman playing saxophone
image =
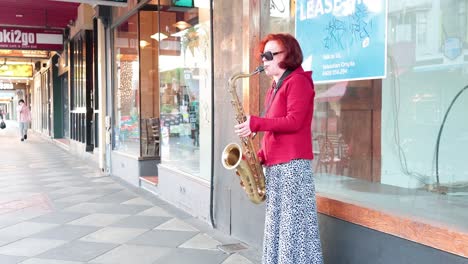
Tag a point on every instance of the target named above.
point(291, 225)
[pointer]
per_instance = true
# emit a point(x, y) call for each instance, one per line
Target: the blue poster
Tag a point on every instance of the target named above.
point(343, 39)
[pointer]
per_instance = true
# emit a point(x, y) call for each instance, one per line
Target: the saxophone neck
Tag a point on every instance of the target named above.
point(237, 76)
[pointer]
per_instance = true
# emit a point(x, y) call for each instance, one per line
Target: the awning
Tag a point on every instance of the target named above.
point(333, 93)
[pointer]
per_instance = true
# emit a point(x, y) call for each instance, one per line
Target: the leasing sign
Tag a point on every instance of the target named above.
point(343, 39)
point(30, 38)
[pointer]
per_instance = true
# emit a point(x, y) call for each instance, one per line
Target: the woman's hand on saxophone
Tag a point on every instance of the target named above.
point(243, 129)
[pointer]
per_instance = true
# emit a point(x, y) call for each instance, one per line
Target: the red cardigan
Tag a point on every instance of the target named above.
point(287, 123)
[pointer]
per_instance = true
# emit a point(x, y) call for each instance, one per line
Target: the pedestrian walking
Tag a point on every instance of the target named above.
point(24, 118)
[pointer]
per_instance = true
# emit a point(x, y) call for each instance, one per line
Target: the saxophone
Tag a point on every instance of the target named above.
point(244, 159)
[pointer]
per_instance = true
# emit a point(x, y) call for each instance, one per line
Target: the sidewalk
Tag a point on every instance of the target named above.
point(56, 209)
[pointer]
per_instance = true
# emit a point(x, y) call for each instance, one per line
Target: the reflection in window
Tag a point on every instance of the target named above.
point(185, 88)
point(387, 133)
point(126, 123)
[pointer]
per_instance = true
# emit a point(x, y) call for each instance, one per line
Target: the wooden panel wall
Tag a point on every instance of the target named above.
point(360, 123)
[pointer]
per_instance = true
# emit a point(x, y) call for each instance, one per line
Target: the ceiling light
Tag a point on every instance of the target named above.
point(182, 25)
point(144, 43)
point(19, 15)
point(158, 36)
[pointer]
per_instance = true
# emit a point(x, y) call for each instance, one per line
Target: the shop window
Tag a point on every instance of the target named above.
point(81, 87)
point(176, 86)
point(126, 91)
point(162, 80)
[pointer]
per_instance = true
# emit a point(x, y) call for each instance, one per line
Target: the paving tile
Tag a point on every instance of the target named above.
point(78, 198)
point(8, 239)
point(103, 180)
point(184, 256)
point(98, 190)
point(155, 211)
point(117, 197)
point(162, 238)
point(176, 225)
point(141, 221)
point(48, 261)
point(11, 259)
point(25, 229)
point(69, 190)
point(107, 208)
point(125, 209)
point(201, 241)
point(97, 219)
point(26, 214)
point(138, 201)
point(113, 185)
point(126, 254)
point(61, 205)
point(237, 259)
point(9, 221)
point(78, 251)
point(93, 175)
point(30, 247)
point(65, 183)
point(67, 232)
point(57, 217)
point(118, 235)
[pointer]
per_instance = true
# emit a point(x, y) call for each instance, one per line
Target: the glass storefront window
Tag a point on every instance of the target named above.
point(182, 35)
point(380, 140)
point(163, 85)
point(126, 92)
point(427, 69)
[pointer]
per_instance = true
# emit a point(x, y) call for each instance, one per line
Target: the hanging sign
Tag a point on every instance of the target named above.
point(343, 39)
point(30, 38)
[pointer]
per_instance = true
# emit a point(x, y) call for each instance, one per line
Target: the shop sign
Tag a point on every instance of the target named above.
point(6, 86)
point(30, 38)
point(25, 53)
point(16, 70)
point(343, 39)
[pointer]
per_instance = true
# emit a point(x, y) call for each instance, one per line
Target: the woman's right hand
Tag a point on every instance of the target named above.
point(243, 129)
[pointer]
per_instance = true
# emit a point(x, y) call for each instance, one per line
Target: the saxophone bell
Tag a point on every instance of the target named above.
point(232, 156)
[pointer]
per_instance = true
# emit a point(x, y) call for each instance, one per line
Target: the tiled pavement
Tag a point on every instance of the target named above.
point(58, 209)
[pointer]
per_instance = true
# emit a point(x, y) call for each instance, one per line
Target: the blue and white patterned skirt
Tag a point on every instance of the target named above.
point(291, 225)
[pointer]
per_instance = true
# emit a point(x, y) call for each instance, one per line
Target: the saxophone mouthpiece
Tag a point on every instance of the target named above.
point(259, 69)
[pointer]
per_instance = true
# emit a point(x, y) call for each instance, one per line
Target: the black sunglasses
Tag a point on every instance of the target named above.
point(268, 55)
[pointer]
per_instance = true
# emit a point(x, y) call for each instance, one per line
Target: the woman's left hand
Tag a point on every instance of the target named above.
point(243, 129)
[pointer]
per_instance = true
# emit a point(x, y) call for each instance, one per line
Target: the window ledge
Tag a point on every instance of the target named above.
point(426, 218)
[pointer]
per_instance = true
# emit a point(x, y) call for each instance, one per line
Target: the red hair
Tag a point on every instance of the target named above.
point(293, 53)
